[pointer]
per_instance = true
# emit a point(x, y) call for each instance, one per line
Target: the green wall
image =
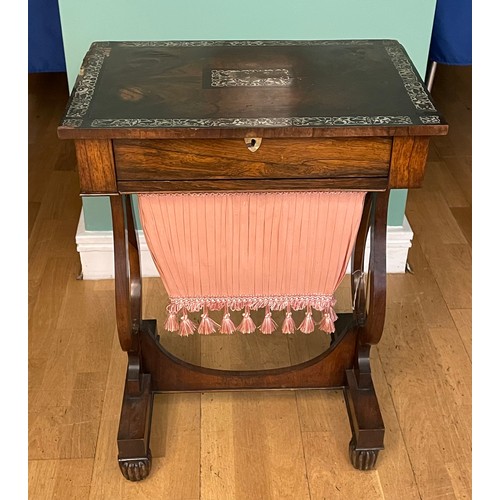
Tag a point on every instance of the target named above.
point(83, 22)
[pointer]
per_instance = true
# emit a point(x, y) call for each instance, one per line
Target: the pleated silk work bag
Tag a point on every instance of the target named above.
point(239, 252)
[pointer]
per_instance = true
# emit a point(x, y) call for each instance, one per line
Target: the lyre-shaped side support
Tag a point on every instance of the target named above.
point(369, 302)
point(134, 455)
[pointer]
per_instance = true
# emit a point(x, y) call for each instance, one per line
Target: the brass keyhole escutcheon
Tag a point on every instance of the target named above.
point(253, 143)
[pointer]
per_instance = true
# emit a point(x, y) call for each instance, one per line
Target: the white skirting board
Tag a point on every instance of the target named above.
point(96, 251)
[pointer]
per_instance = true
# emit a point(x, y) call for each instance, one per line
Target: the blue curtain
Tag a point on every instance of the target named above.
point(45, 45)
point(451, 41)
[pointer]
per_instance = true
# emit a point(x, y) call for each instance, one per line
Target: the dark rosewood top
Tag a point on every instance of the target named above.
point(211, 89)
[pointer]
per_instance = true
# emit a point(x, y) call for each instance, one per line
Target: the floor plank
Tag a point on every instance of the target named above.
point(60, 479)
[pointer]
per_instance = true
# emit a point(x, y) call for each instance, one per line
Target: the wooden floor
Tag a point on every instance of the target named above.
point(256, 446)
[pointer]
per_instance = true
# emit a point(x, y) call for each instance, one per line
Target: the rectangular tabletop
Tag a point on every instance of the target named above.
point(231, 89)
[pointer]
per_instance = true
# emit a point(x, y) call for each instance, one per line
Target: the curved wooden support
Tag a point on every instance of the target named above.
point(369, 291)
point(135, 288)
point(324, 371)
point(358, 290)
point(371, 330)
point(128, 284)
point(128, 341)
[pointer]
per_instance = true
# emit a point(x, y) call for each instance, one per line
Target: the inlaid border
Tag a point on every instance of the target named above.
point(242, 43)
point(430, 120)
point(85, 85)
point(297, 121)
point(415, 90)
point(90, 70)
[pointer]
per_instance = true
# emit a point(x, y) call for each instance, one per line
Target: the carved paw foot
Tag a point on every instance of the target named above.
point(135, 469)
point(362, 459)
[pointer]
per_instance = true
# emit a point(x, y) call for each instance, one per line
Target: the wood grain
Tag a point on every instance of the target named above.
point(408, 160)
point(419, 370)
point(96, 167)
point(60, 479)
point(231, 159)
point(358, 184)
point(240, 133)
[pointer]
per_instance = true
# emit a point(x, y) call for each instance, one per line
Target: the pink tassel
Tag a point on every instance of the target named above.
point(227, 326)
point(307, 325)
point(327, 323)
point(333, 315)
point(172, 323)
point(268, 325)
point(187, 326)
point(247, 325)
point(288, 323)
point(207, 324)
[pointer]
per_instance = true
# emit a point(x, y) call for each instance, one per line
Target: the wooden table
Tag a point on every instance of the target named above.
point(250, 116)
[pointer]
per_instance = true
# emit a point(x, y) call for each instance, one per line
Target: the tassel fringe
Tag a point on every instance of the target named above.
point(227, 326)
point(288, 323)
point(307, 325)
point(186, 326)
point(268, 325)
point(207, 324)
point(327, 323)
point(172, 323)
point(247, 325)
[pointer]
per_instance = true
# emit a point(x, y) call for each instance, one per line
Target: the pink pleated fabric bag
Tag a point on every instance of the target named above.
point(248, 251)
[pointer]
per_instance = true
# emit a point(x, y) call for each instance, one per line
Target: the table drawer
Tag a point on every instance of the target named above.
point(185, 159)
